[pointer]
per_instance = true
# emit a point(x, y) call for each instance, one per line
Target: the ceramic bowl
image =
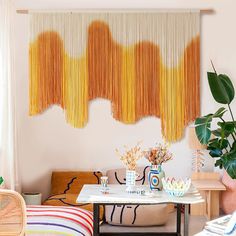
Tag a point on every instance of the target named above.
point(176, 187)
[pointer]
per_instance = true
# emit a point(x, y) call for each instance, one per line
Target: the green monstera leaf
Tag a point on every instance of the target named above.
point(220, 112)
point(203, 125)
point(1, 180)
point(202, 128)
point(221, 87)
point(229, 163)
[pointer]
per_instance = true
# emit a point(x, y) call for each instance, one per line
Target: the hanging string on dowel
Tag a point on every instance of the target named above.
point(145, 63)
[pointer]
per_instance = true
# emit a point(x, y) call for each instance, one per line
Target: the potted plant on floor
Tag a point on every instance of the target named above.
point(221, 141)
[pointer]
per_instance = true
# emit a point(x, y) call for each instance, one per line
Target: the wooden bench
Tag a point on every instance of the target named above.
point(210, 187)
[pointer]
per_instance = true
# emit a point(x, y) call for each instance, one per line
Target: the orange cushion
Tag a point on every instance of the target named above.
point(72, 181)
point(66, 186)
point(68, 199)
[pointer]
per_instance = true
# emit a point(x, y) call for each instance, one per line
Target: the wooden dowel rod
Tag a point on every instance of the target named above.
point(25, 11)
point(207, 11)
point(22, 11)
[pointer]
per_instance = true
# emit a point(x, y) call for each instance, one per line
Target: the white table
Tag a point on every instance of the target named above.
point(117, 195)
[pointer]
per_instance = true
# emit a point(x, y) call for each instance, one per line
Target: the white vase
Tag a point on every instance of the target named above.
point(130, 180)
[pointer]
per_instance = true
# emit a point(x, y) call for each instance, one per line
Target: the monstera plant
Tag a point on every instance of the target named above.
point(1, 180)
point(220, 141)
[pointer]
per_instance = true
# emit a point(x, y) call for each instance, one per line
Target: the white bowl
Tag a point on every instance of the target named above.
point(176, 187)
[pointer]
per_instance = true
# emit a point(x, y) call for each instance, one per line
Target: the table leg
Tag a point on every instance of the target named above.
point(186, 219)
point(178, 220)
point(95, 219)
point(215, 204)
point(212, 204)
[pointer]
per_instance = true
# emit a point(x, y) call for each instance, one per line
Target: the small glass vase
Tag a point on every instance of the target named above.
point(130, 180)
point(154, 177)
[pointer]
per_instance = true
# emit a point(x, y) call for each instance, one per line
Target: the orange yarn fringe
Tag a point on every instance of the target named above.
point(133, 78)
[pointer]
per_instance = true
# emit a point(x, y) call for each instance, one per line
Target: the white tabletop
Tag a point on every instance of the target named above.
point(91, 193)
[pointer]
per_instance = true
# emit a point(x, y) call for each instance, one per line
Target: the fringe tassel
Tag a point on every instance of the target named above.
point(113, 59)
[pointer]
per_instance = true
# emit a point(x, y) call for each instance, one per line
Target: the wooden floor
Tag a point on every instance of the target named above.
point(196, 224)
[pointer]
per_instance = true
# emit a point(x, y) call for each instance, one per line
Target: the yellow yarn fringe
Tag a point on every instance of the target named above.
point(134, 77)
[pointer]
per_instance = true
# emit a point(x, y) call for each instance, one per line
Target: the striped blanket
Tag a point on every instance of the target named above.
point(58, 220)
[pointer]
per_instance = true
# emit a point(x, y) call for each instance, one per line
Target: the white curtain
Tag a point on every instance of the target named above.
point(8, 163)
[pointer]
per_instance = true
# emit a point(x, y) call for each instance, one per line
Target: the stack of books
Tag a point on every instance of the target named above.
point(225, 225)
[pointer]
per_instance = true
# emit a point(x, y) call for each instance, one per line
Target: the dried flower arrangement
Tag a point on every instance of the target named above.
point(131, 156)
point(158, 155)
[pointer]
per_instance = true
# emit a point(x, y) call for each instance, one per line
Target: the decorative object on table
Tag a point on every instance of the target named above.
point(104, 184)
point(155, 176)
point(222, 146)
point(32, 198)
point(131, 177)
point(104, 181)
point(176, 187)
point(140, 191)
point(157, 156)
point(194, 144)
point(130, 158)
point(121, 57)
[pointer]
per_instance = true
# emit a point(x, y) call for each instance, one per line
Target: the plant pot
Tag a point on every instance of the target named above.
point(32, 198)
point(154, 177)
point(130, 180)
point(228, 197)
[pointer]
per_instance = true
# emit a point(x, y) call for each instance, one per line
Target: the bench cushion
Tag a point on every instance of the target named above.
point(58, 220)
point(72, 181)
point(134, 215)
point(66, 185)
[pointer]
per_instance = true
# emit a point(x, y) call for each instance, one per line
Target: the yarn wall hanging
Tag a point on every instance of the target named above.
point(145, 63)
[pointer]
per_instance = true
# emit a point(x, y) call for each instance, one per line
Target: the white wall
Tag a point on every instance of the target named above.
point(46, 142)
